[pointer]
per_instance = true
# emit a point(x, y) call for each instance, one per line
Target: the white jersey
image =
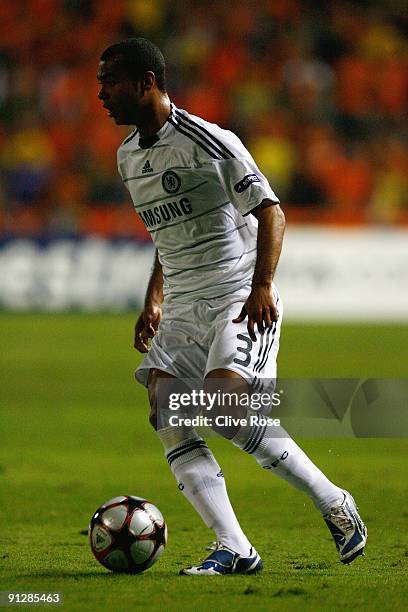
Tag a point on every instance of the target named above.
point(194, 185)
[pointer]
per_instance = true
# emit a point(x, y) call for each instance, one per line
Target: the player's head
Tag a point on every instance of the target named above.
point(131, 72)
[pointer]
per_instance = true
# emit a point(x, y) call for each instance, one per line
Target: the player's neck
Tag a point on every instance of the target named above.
point(154, 116)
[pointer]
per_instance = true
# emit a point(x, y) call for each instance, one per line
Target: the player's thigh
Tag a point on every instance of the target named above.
point(232, 348)
point(177, 349)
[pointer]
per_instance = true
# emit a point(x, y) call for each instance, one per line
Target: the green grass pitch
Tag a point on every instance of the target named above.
point(74, 433)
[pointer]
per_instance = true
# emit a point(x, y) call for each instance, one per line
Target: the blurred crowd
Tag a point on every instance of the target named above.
point(317, 91)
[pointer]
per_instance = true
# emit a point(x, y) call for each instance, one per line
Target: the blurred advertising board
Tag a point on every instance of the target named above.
point(324, 274)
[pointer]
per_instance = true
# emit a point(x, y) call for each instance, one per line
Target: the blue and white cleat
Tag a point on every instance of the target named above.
point(348, 530)
point(225, 561)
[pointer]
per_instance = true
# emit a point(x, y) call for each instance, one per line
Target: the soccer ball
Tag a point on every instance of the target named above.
point(127, 534)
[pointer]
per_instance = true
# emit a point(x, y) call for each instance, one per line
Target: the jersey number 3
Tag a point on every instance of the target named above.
point(246, 350)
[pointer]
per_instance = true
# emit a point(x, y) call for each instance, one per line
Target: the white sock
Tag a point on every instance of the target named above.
point(274, 450)
point(201, 481)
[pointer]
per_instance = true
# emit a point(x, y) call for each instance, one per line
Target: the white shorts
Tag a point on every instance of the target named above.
point(195, 339)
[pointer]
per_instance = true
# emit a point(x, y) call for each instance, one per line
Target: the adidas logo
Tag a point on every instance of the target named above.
point(147, 168)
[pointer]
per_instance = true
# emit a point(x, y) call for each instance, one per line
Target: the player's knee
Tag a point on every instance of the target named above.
point(230, 391)
point(220, 429)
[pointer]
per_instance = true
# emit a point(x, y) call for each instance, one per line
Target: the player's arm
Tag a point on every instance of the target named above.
point(260, 306)
point(148, 322)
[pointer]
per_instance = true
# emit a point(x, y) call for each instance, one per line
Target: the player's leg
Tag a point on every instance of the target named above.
point(178, 353)
point(233, 357)
point(274, 450)
point(272, 447)
point(198, 474)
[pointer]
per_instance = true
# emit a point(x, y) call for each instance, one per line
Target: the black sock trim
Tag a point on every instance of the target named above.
point(186, 448)
point(258, 441)
point(183, 446)
point(254, 439)
point(251, 437)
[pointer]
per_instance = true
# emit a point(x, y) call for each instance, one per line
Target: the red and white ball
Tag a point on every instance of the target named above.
point(127, 534)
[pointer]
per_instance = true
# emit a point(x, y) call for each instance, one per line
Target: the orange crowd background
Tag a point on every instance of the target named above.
point(316, 90)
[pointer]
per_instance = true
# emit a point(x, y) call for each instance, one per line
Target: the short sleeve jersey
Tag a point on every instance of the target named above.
point(194, 185)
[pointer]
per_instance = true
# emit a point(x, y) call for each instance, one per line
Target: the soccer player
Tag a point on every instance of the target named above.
point(211, 312)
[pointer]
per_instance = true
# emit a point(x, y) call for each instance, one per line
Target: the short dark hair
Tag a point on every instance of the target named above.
point(136, 56)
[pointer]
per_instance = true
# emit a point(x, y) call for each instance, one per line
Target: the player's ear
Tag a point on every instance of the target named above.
point(148, 81)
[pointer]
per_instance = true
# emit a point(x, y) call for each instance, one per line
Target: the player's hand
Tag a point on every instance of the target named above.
point(146, 327)
point(260, 308)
